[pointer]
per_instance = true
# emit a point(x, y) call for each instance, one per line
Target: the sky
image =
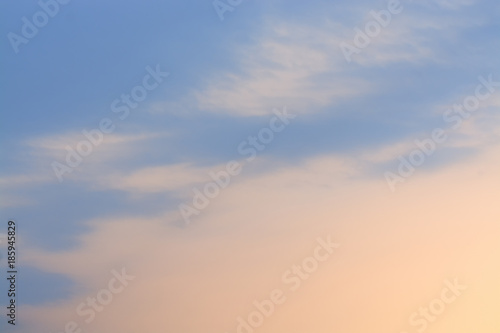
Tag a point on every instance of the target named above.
point(242, 166)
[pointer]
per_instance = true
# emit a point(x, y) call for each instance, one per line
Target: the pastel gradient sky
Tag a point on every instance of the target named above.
point(324, 174)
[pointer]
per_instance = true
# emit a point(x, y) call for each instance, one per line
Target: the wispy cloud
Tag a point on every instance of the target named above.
point(289, 64)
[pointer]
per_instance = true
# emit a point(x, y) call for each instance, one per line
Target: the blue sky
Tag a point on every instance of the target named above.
point(226, 78)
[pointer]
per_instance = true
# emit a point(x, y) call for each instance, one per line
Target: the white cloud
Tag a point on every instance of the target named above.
point(157, 179)
point(303, 66)
point(289, 66)
point(112, 145)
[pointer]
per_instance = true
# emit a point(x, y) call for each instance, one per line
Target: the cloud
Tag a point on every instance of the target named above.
point(105, 155)
point(289, 65)
point(476, 133)
point(111, 146)
point(303, 65)
point(203, 277)
point(158, 179)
